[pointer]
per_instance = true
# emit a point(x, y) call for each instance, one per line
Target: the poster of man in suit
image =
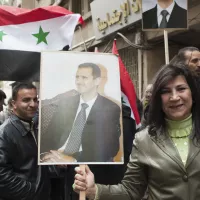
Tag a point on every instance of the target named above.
point(80, 108)
point(164, 14)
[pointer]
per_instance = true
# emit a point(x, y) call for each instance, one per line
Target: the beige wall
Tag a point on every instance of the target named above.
point(42, 3)
point(154, 59)
point(28, 4)
point(87, 33)
point(35, 4)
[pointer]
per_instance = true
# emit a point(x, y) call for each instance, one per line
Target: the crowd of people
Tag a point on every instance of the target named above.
point(161, 158)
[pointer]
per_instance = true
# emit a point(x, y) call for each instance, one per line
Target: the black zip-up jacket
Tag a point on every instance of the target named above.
point(20, 176)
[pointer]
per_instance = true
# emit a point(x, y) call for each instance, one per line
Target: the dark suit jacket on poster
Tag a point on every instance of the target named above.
point(178, 18)
point(100, 137)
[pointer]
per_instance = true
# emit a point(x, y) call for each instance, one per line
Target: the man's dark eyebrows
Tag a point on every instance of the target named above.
point(194, 59)
point(29, 98)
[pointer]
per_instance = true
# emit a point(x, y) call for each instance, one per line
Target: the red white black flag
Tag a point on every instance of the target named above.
point(127, 88)
point(25, 32)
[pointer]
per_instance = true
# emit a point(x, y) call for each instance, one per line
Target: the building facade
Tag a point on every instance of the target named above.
point(142, 52)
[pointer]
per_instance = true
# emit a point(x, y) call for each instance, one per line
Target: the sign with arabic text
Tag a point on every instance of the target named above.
point(110, 16)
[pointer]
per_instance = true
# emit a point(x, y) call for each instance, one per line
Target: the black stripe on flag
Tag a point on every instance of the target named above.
point(18, 65)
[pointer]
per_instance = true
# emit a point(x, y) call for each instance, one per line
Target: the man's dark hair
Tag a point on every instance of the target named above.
point(2, 95)
point(20, 86)
point(180, 57)
point(96, 72)
point(156, 117)
point(181, 52)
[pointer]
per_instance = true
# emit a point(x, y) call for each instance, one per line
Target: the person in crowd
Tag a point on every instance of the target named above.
point(166, 14)
point(85, 126)
point(146, 104)
point(6, 114)
point(20, 176)
point(147, 95)
point(189, 56)
point(2, 99)
point(166, 155)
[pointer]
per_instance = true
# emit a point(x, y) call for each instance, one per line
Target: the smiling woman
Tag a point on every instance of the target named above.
point(174, 96)
point(165, 156)
point(177, 99)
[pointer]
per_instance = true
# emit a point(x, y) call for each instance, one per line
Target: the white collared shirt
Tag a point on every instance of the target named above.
point(88, 109)
point(168, 9)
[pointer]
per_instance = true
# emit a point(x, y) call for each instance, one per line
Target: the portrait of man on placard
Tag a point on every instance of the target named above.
point(80, 120)
point(164, 14)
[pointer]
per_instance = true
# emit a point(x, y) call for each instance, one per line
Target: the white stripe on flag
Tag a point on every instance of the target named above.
point(19, 37)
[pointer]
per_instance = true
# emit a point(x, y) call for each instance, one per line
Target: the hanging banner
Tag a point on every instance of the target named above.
point(25, 33)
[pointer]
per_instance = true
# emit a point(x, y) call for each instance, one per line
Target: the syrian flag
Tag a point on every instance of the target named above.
point(25, 33)
point(128, 90)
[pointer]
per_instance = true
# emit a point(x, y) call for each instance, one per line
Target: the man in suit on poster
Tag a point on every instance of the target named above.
point(166, 14)
point(85, 125)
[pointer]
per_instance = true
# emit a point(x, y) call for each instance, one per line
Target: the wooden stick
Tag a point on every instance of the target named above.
point(166, 47)
point(82, 195)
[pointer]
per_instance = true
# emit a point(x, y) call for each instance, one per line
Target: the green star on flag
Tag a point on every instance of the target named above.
point(1, 35)
point(41, 36)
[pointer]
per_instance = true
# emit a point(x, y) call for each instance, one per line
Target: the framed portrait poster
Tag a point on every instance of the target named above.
point(164, 14)
point(80, 109)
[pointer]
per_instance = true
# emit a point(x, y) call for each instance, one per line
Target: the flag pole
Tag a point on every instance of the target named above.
point(166, 47)
point(82, 194)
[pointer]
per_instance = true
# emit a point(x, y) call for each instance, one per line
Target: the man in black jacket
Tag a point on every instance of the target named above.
point(20, 176)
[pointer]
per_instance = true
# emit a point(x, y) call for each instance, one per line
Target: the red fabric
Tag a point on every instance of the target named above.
point(127, 86)
point(11, 15)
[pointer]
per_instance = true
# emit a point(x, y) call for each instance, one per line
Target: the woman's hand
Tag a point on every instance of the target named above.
point(84, 181)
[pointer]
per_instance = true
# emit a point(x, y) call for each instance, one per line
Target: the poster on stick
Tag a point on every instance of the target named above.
point(164, 14)
point(80, 109)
